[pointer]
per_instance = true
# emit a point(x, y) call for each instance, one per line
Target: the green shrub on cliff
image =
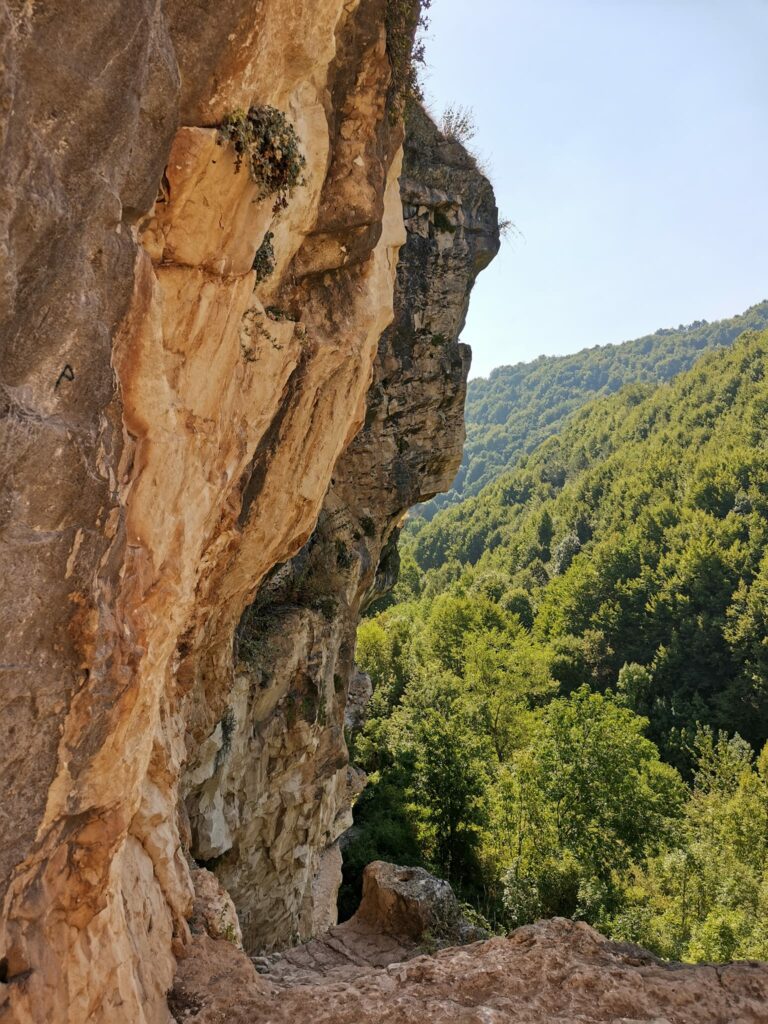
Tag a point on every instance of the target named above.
point(267, 142)
point(264, 260)
point(403, 18)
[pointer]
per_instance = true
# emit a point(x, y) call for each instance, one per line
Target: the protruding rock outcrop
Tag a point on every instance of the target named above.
point(170, 424)
point(270, 788)
point(412, 904)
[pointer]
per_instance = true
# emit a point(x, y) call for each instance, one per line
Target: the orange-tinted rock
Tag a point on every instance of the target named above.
point(555, 970)
point(271, 790)
point(168, 439)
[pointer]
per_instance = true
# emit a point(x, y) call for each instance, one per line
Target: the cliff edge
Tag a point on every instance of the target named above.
point(186, 354)
point(269, 789)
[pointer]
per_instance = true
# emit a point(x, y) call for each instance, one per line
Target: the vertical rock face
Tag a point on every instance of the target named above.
point(169, 428)
point(269, 788)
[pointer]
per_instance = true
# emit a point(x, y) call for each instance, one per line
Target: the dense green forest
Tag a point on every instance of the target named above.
point(518, 407)
point(571, 702)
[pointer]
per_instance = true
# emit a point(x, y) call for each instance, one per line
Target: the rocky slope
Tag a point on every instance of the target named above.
point(269, 789)
point(553, 971)
point(169, 430)
point(373, 969)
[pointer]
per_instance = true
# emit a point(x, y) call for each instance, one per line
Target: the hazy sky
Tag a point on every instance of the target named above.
point(628, 142)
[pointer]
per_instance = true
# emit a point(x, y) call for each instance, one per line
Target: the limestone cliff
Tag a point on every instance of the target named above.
point(169, 428)
point(269, 789)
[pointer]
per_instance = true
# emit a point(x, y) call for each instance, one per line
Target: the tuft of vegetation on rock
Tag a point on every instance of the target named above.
point(403, 19)
point(457, 123)
point(264, 260)
point(267, 142)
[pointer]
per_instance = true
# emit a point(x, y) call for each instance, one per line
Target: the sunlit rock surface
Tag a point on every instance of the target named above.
point(168, 433)
point(270, 789)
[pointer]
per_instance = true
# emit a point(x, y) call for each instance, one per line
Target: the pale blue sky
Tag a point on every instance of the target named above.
point(628, 141)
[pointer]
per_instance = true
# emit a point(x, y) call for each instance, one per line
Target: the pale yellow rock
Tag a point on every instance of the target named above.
point(208, 214)
point(231, 422)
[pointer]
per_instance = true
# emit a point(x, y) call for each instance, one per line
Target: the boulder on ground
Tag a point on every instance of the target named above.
point(409, 903)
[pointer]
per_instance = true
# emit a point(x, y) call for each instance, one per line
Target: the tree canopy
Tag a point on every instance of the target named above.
point(571, 678)
point(511, 412)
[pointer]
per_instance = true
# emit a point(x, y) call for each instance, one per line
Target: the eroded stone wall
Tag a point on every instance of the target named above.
point(270, 789)
point(169, 430)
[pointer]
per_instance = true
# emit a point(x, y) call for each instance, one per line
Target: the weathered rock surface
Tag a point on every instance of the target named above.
point(168, 432)
point(553, 971)
point(269, 790)
point(403, 912)
point(213, 911)
point(409, 902)
point(373, 968)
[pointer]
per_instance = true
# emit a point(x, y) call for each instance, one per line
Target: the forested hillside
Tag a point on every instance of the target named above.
point(572, 684)
point(518, 407)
